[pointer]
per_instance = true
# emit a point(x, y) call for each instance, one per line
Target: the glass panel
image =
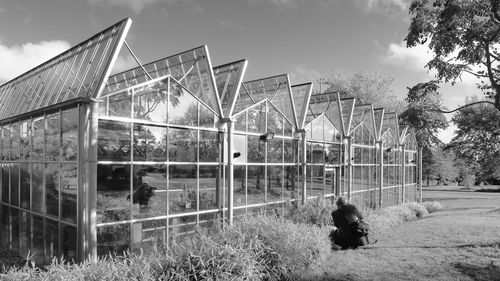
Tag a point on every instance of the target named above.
point(290, 150)
point(333, 153)
point(14, 184)
point(274, 183)
point(5, 183)
point(150, 143)
point(240, 146)
point(292, 182)
point(274, 122)
point(26, 146)
point(182, 188)
point(38, 139)
point(256, 150)
point(317, 129)
point(347, 108)
point(52, 189)
point(301, 95)
point(208, 187)
point(70, 134)
point(207, 117)
point(113, 193)
point(275, 151)
point(120, 105)
point(25, 185)
point(331, 132)
point(6, 142)
point(38, 238)
point(209, 146)
point(150, 236)
point(4, 225)
point(69, 192)
point(149, 197)
point(241, 122)
point(113, 239)
point(182, 107)
point(14, 229)
point(240, 189)
point(182, 145)
point(68, 242)
point(257, 119)
point(15, 151)
point(25, 237)
point(150, 102)
point(317, 153)
point(53, 137)
point(283, 101)
point(113, 141)
point(181, 225)
point(256, 185)
point(228, 77)
point(51, 239)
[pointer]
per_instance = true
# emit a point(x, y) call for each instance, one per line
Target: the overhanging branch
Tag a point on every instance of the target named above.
point(460, 108)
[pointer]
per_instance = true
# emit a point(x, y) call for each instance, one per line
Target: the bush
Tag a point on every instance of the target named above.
point(315, 212)
point(384, 218)
point(432, 206)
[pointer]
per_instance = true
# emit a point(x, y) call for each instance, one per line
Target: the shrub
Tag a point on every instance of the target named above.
point(432, 206)
point(381, 219)
point(316, 212)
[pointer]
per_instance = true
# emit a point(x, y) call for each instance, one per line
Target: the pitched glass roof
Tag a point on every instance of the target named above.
point(276, 89)
point(301, 96)
point(379, 116)
point(390, 123)
point(363, 114)
point(347, 108)
point(192, 69)
point(325, 103)
point(228, 80)
point(76, 73)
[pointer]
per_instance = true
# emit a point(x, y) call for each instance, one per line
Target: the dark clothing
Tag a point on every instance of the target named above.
point(344, 218)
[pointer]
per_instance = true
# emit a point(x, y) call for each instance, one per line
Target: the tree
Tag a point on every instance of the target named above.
point(367, 88)
point(477, 139)
point(443, 169)
point(464, 36)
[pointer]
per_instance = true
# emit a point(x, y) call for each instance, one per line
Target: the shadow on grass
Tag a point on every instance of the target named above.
point(488, 190)
point(485, 245)
point(491, 272)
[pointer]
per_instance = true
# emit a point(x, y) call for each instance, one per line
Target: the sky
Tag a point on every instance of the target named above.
point(308, 39)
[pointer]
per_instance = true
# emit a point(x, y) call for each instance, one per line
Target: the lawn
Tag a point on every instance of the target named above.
point(459, 242)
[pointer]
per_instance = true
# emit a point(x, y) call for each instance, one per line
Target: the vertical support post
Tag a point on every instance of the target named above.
point(403, 173)
point(230, 139)
point(380, 180)
point(419, 168)
point(349, 167)
point(92, 179)
point(304, 166)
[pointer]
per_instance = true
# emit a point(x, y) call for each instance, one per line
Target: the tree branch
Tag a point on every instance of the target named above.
point(475, 74)
point(460, 108)
point(488, 66)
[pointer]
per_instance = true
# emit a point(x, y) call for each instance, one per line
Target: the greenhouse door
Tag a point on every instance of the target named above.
point(332, 181)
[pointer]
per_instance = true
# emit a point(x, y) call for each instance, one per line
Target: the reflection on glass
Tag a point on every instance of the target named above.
point(241, 123)
point(150, 236)
point(25, 237)
point(208, 187)
point(256, 185)
point(14, 185)
point(51, 235)
point(149, 197)
point(274, 183)
point(150, 143)
point(26, 146)
point(290, 149)
point(15, 150)
point(38, 238)
point(5, 182)
point(4, 224)
point(182, 188)
point(68, 242)
point(207, 117)
point(240, 189)
point(209, 146)
point(182, 145)
point(69, 192)
point(113, 193)
point(257, 118)
point(120, 105)
point(38, 138)
point(181, 225)
point(52, 136)
point(52, 189)
point(69, 134)
point(275, 151)
point(113, 141)
point(113, 239)
point(256, 150)
point(150, 102)
point(182, 107)
point(38, 204)
point(14, 229)
point(5, 142)
point(275, 122)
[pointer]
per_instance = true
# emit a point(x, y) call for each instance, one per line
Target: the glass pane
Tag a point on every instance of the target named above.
point(15, 151)
point(4, 224)
point(38, 139)
point(240, 149)
point(182, 188)
point(14, 229)
point(113, 193)
point(150, 102)
point(5, 183)
point(25, 237)
point(51, 239)
point(25, 182)
point(150, 143)
point(256, 150)
point(6, 142)
point(240, 189)
point(300, 95)
point(257, 119)
point(120, 105)
point(209, 146)
point(14, 184)
point(275, 122)
point(149, 197)
point(241, 122)
point(333, 153)
point(26, 147)
point(317, 129)
point(290, 148)
point(274, 183)
point(275, 151)
point(70, 134)
point(53, 137)
point(256, 185)
point(208, 187)
point(182, 145)
point(52, 189)
point(113, 239)
point(207, 117)
point(38, 238)
point(113, 141)
point(69, 192)
point(68, 242)
point(182, 107)
point(150, 236)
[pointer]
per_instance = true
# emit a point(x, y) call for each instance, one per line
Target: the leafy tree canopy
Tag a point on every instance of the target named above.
point(367, 88)
point(464, 36)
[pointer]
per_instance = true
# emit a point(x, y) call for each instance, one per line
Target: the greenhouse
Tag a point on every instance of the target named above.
point(94, 162)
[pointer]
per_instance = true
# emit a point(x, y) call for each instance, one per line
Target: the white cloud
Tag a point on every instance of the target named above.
point(301, 74)
point(413, 59)
point(385, 6)
point(20, 59)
